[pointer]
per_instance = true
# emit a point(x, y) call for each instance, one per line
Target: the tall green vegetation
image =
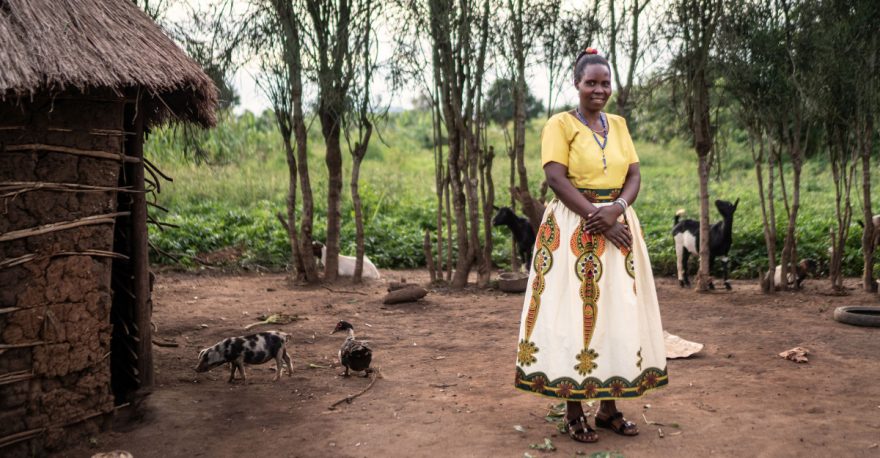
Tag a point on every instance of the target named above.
point(226, 210)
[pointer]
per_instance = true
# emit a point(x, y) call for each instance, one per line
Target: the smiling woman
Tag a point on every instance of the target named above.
point(590, 325)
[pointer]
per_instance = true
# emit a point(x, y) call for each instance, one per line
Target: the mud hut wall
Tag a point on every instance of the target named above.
point(55, 326)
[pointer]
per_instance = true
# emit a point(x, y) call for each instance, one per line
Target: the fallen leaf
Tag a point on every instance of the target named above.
point(605, 454)
point(546, 446)
point(276, 318)
point(439, 357)
point(519, 428)
point(796, 354)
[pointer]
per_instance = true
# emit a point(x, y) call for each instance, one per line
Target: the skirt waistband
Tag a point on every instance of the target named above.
point(600, 195)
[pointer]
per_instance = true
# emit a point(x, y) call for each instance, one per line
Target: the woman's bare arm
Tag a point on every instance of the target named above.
point(557, 179)
point(632, 184)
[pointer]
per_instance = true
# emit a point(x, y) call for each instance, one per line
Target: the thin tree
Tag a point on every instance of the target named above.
point(274, 81)
point(749, 46)
point(694, 24)
point(410, 19)
point(459, 35)
point(630, 36)
point(793, 123)
point(525, 23)
point(845, 89)
point(290, 21)
point(360, 118)
point(271, 32)
point(866, 15)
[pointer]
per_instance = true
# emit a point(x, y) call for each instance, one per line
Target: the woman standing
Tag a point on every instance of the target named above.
point(590, 323)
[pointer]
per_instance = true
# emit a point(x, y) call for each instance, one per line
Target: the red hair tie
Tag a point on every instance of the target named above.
point(591, 51)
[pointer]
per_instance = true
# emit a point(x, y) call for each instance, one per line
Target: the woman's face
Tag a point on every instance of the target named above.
point(594, 88)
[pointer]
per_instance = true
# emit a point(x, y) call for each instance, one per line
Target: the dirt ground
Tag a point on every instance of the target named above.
point(447, 365)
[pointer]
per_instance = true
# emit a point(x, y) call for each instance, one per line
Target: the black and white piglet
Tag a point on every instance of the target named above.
point(251, 349)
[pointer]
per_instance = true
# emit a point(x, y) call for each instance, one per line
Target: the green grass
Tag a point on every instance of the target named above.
point(230, 197)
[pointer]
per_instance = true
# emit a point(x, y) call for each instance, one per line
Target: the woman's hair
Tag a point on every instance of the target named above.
point(587, 57)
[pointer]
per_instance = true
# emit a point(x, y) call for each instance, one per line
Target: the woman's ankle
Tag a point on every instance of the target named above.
point(573, 410)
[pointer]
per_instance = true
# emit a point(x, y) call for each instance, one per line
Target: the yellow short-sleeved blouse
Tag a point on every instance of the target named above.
point(568, 141)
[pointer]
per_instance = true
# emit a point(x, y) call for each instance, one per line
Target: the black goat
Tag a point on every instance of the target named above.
point(522, 231)
point(686, 234)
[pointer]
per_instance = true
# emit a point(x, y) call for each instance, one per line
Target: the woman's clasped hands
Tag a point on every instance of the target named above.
point(604, 221)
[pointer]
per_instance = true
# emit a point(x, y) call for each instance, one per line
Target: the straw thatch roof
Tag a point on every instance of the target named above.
point(61, 44)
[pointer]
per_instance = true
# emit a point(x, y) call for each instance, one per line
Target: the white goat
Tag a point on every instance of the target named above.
point(347, 263)
point(805, 268)
point(876, 220)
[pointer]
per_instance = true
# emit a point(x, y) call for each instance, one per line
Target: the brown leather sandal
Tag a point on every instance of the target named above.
point(580, 431)
point(618, 424)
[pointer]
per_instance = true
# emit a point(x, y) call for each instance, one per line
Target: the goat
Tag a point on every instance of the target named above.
point(346, 264)
point(803, 269)
point(686, 234)
point(522, 231)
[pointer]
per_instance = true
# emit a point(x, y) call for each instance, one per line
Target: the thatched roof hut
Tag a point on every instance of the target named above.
point(81, 81)
point(51, 45)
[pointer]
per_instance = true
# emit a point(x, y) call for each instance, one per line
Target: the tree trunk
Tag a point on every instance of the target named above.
point(333, 159)
point(358, 211)
point(439, 181)
point(429, 257)
point(514, 257)
point(465, 257)
point(295, 257)
point(447, 193)
point(703, 145)
point(866, 143)
point(472, 180)
point(704, 275)
point(768, 223)
point(771, 207)
point(519, 111)
point(789, 250)
point(292, 51)
point(310, 265)
point(487, 191)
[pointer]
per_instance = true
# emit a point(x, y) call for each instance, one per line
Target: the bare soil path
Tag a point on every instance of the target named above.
point(447, 365)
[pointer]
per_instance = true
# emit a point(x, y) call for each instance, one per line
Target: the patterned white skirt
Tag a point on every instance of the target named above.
point(590, 325)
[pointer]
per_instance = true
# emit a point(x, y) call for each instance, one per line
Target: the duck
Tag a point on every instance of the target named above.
point(354, 354)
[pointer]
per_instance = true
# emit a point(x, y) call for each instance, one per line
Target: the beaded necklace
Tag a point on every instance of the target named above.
point(604, 141)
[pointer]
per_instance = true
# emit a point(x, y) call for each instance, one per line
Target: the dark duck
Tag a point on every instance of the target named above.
point(354, 354)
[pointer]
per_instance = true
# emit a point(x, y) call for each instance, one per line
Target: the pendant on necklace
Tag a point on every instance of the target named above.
point(604, 141)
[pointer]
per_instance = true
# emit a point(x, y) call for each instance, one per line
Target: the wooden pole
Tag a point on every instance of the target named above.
point(140, 255)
